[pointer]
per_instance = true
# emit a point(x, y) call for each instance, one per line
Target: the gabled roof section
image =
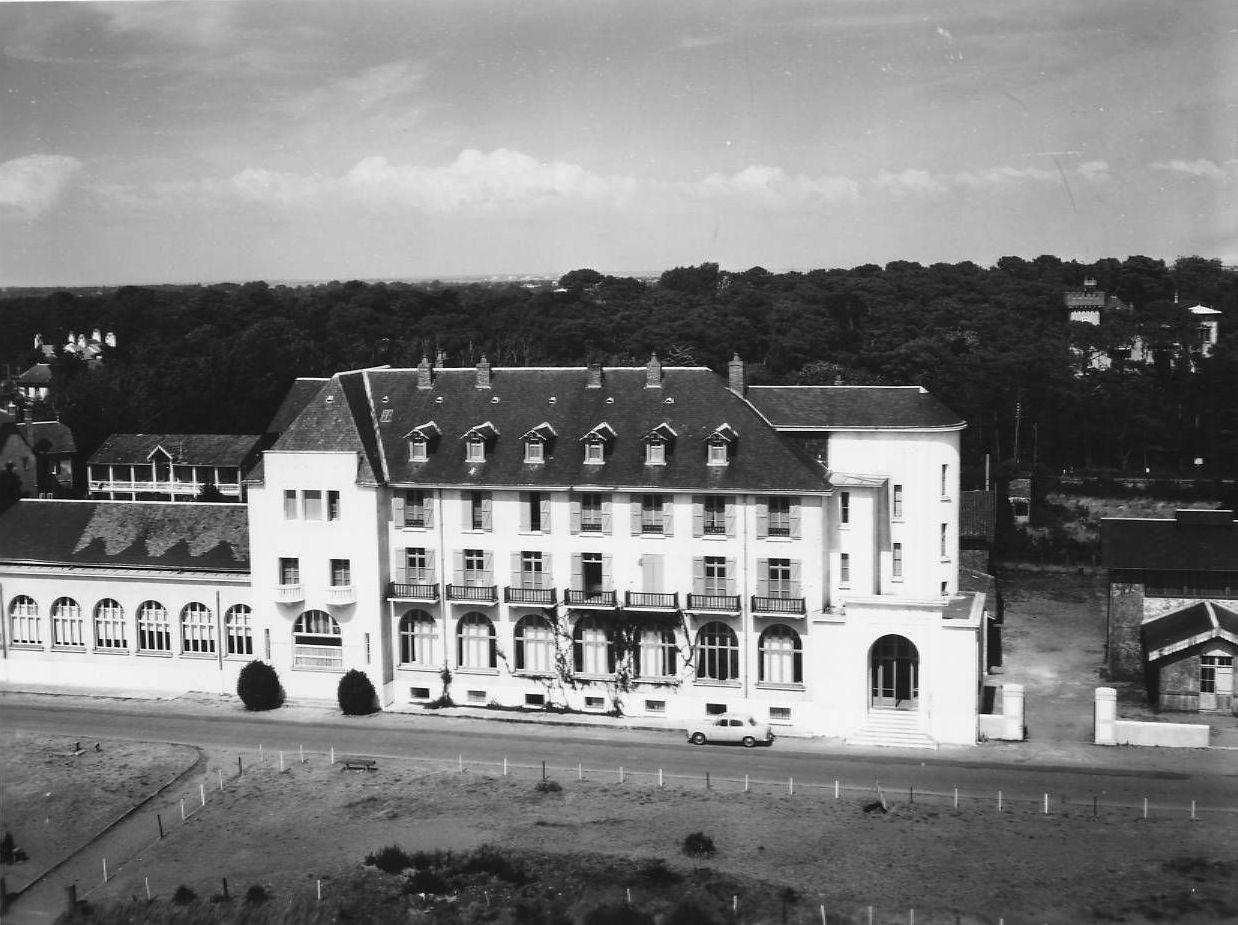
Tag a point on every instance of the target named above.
point(299, 395)
point(663, 431)
point(427, 431)
point(1191, 626)
point(48, 436)
point(182, 449)
point(1191, 541)
point(38, 374)
point(530, 397)
point(483, 431)
point(337, 420)
point(724, 432)
point(127, 534)
point(852, 407)
point(543, 431)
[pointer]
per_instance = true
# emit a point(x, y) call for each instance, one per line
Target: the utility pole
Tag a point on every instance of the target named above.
point(1018, 418)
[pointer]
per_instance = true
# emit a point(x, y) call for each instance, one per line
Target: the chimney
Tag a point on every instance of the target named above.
point(483, 373)
point(735, 373)
point(424, 379)
point(653, 373)
point(595, 376)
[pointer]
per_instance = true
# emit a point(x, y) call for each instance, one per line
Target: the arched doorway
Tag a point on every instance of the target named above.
point(894, 674)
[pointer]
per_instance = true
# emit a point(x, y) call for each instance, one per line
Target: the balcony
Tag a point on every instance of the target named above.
point(779, 605)
point(601, 600)
point(713, 603)
point(645, 600)
point(399, 591)
point(542, 596)
point(289, 594)
point(341, 595)
point(477, 594)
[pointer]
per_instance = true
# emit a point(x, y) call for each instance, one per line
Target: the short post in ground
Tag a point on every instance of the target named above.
point(105, 870)
point(202, 793)
point(159, 820)
point(147, 880)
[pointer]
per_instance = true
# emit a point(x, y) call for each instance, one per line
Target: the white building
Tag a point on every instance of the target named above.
point(645, 541)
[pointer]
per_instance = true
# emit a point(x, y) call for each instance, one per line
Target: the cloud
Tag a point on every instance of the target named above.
point(31, 186)
point(1202, 168)
point(910, 183)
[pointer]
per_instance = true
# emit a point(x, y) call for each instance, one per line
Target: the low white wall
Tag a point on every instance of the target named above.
point(1165, 735)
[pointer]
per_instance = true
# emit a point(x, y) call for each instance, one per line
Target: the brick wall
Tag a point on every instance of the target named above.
point(1125, 646)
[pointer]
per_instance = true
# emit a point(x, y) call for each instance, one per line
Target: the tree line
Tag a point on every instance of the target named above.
point(994, 343)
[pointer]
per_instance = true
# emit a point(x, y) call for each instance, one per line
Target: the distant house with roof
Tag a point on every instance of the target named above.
point(1173, 606)
point(56, 454)
point(17, 458)
point(35, 383)
point(171, 467)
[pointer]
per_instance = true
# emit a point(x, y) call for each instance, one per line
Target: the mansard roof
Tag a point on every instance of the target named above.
point(1197, 540)
point(691, 400)
point(127, 534)
point(852, 407)
point(184, 449)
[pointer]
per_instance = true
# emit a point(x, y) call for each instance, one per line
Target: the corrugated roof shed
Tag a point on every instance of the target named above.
point(1190, 543)
point(185, 449)
point(206, 537)
point(851, 407)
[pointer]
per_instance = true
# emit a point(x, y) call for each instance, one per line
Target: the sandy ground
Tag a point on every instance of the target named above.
point(316, 821)
point(53, 802)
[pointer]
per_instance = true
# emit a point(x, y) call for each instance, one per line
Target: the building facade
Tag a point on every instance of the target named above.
point(171, 467)
point(645, 542)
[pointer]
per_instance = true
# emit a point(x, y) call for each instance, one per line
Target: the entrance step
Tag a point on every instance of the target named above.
point(893, 728)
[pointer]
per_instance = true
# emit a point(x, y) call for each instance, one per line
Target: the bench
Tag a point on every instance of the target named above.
point(360, 764)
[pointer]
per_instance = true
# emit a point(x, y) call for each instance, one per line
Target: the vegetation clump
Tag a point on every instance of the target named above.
point(356, 694)
point(258, 687)
point(391, 860)
point(698, 845)
point(548, 786)
point(256, 894)
point(183, 896)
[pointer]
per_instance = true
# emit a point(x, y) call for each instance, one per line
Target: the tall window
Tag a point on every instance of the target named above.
point(475, 571)
point(780, 584)
point(594, 647)
point(289, 571)
point(897, 561)
point(715, 575)
point(844, 568)
point(781, 656)
point(239, 630)
point(291, 509)
point(535, 648)
point(317, 641)
point(341, 573)
point(333, 505)
point(417, 634)
point(475, 647)
point(417, 563)
point(479, 510)
point(533, 502)
point(945, 551)
point(197, 629)
point(1208, 666)
point(779, 516)
point(68, 628)
point(531, 574)
point(844, 507)
point(416, 509)
point(657, 656)
point(24, 628)
point(591, 512)
point(945, 473)
point(311, 504)
point(717, 653)
point(897, 506)
point(714, 515)
point(154, 628)
point(110, 625)
point(651, 519)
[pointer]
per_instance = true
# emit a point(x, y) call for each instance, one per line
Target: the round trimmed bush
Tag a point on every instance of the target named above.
point(698, 845)
point(259, 688)
point(356, 694)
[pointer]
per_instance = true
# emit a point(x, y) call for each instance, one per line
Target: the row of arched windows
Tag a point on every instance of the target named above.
point(109, 629)
point(780, 650)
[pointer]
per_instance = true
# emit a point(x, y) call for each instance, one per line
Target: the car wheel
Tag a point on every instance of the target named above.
point(698, 738)
point(749, 741)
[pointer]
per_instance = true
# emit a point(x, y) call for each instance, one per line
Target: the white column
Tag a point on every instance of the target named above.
point(1106, 716)
point(1012, 711)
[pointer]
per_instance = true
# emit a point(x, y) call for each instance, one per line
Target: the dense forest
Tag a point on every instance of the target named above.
point(994, 343)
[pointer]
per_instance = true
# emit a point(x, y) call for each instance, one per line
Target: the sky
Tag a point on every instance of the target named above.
point(230, 140)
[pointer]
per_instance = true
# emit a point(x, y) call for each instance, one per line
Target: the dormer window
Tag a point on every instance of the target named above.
point(536, 443)
point(418, 449)
point(657, 442)
point(596, 441)
point(420, 439)
point(477, 441)
point(718, 455)
point(534, 452)
point(595, 452)
point(720, 445)
point(475, 450)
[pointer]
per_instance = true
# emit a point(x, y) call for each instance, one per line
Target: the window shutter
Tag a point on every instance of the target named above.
point(635, 506)
point(487, 512)
point(459, 557)
point(795, 578)
point(698, 574)
point(548, 574)
point(607, 506)
point(578, 581)
point(731, 576)
point(488, 565)
point(608, 575)
point(427, 509)
point(762, 519)
point(516, 575)
point(401, 568)
point(397, 509)
point(763, 577)
point(545, 511)
point(668, 515)
point(698, 515)
point(524, 512)
point(795, 519)
point(466, 509)
point(575, 515)
point(610, 651)
point(651, 569)
point(431, 574)
point(728, 513)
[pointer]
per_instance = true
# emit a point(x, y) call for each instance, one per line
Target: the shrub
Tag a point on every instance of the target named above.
point(258, 687)
point(657, 874)
point(356, 694)
point(183, 895)
point(256, 894)
point(698, 845)
point(548, 786)
point(426, 880)
point(488, 860)
point(390, 860)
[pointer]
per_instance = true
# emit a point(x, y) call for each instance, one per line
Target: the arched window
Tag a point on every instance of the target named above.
point(317, 641)
point(154, 629)
point(197, 629)
point(475, 646)
point(239, 630)
point(535, 644)
point(417, 638)
point(24, 627)
point(68, 628)
point(594, 647)
point(110, 625)
point(717, 653)
point(657, 656)
point(781, 656)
